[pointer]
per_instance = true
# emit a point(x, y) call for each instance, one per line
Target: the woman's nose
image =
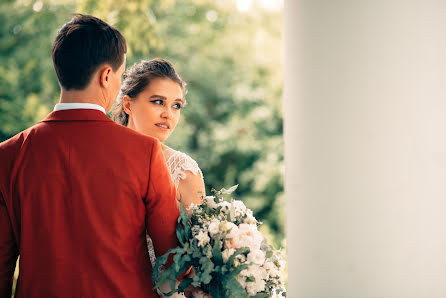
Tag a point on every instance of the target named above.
point(167, 113)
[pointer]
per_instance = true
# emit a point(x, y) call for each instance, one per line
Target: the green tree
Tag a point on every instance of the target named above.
point(231, 61)
point(28, 84)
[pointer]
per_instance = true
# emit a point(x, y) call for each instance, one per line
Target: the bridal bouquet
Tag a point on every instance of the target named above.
point(230, 257)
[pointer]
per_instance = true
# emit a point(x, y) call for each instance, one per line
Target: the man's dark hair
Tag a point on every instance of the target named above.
point(81, 46)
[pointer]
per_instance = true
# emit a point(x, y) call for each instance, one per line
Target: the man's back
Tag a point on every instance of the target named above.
point(79, 192)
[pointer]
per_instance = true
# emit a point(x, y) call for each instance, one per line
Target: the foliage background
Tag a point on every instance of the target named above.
point(230, 54)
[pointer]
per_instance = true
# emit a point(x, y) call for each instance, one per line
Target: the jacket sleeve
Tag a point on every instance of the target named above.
point(161, 204)
point(8, 251)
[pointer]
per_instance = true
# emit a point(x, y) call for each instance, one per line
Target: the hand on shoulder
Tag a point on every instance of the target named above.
point(191, 189)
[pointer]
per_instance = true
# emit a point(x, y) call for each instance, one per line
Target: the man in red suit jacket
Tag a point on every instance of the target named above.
point(78, 192)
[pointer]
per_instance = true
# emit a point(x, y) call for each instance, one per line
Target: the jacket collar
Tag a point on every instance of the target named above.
point(76, 115)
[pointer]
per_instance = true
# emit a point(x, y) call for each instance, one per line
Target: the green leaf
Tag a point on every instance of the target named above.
point(180, 265)
point(243, 250)
point(184, 284)
point(217, 291)
point(206, 278)
point(237, 271)
point(183, 214)
point(216, 251)
point(261, 295)
point(166, 275)
point(229, 190)
point(178, 261)
point(172, 282)
point(183, 229)
point(180, 233)
point(160, 261)
point(269, 254)
point(235, 289)
point(196, 253)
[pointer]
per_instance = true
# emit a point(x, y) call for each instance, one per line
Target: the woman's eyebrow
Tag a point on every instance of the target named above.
point(157, 96)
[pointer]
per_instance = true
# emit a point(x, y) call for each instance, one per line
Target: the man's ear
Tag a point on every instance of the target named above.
point(105, 76)
point(126, 100)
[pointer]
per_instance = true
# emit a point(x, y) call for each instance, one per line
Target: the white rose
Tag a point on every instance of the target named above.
point(244, 273)
point(257, 238)
point(225, 206)
point(256, 271)
point(250, 219)
point(274, 272)
point(214, 227)
point(239, 209)
point(254, 287)
point(261, 273)
point(269, 266)
point(247, 236)
point(247, 228)
point(202, 238)
point(256, 257)
point(232, 228)
point(227, 253)
point(210, 202)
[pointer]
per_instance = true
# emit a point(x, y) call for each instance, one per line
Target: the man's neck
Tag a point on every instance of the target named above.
point(81, 96)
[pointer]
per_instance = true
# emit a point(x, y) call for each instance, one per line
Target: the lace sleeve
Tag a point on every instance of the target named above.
point(178, 163)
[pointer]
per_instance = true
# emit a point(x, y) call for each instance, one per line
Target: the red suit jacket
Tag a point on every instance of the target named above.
point(77, 194)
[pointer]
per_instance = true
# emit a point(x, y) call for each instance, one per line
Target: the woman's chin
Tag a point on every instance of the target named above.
point(161, 137)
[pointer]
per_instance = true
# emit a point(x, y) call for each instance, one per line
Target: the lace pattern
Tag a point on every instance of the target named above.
point(178, 163)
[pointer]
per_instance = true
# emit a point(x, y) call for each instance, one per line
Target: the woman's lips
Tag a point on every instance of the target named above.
point(162, 125)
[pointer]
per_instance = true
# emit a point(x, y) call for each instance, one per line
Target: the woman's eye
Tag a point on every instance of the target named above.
point(157, 101)
point(177, 106)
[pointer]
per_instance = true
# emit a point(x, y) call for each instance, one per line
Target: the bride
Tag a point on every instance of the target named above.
point(150, 102)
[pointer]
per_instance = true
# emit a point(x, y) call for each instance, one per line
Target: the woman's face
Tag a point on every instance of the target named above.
point(156, 110)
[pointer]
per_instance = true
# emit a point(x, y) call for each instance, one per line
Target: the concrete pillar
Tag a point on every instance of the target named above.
point(365, 148)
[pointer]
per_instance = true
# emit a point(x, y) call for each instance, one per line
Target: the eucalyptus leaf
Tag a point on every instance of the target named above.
point(184, 284)
point(165, 276)
point(269, 254)
point(243, 250)
point(217, 291)
point(235, 289)
point(261, 295)
point(236, 271)
point(216, 251)
point(229, 190)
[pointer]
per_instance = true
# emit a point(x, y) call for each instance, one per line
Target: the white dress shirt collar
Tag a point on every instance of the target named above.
point(78, 105)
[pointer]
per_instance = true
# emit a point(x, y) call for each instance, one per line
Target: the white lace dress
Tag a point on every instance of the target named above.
point(178, 163)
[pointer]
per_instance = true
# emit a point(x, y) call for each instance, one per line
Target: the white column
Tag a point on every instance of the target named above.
point(365, 148)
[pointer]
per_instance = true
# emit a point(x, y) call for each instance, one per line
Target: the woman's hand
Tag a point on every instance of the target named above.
point(191, 190)
point(194, 292)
